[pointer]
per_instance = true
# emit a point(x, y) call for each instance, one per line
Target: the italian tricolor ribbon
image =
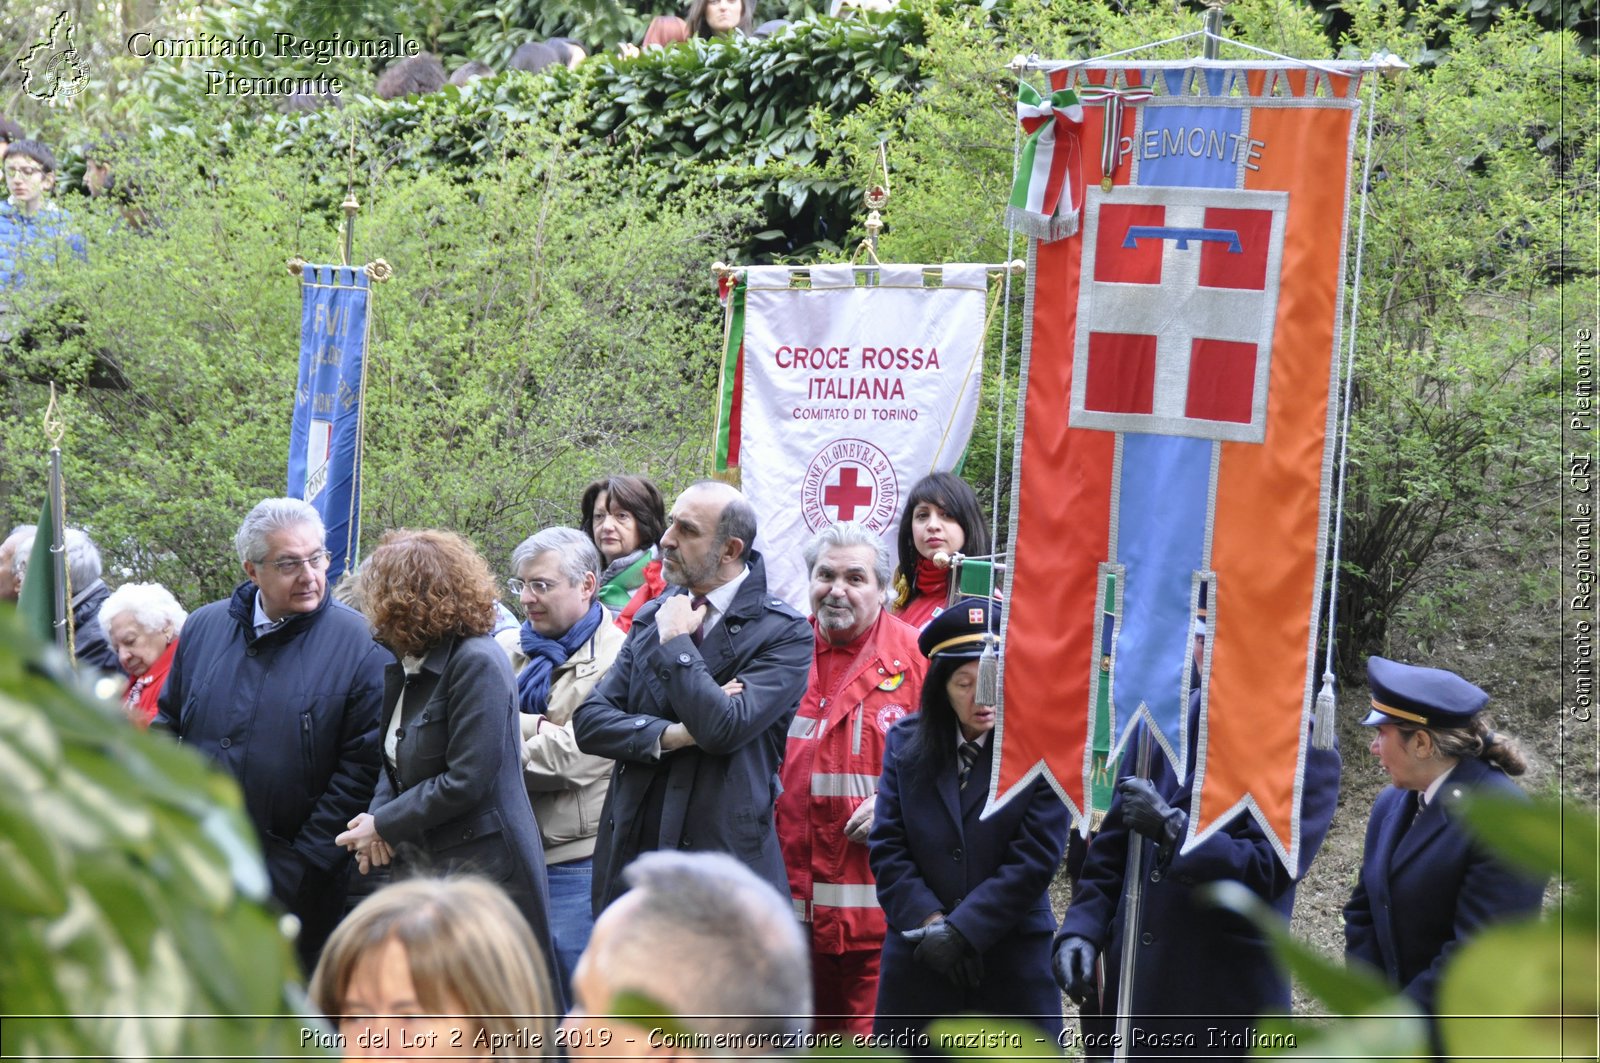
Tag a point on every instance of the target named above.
point(1115, 100)
point(1043, 203)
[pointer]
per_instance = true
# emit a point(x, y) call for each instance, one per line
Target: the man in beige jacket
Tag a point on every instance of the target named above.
point(560, 652)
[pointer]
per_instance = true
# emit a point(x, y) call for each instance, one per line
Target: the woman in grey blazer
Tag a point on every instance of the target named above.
point(450, 797)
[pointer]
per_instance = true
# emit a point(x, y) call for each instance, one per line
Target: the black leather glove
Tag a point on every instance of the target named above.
point(941, 946)
point(968, 973)
point(1147, 812)
point(1074, 966)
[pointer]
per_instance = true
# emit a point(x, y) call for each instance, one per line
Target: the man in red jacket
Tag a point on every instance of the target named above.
point(866, 673)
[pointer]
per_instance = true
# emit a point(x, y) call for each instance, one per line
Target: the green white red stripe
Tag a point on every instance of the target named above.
point(1044, 203)
point(731, 375)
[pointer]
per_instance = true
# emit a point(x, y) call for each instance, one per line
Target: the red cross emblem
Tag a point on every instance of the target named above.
point(847, 493)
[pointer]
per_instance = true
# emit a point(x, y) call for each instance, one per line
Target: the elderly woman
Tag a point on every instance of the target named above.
point(142, 621)
point(966, 899)
point(450, 797)
point(1426, 885)
point(941, 515)
point(436, 967)
point(625, 517)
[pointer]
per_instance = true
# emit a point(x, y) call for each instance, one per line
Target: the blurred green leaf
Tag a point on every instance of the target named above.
point(1543, 835)
point(1346, 991)
point(1523, 990)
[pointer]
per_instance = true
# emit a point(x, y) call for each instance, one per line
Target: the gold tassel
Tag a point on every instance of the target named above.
point(902, 591)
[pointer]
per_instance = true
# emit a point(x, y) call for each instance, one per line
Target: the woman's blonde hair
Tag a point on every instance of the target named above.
point(468, 948)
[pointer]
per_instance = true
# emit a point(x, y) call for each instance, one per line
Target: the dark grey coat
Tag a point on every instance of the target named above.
point(453, 800)
point(718, 794)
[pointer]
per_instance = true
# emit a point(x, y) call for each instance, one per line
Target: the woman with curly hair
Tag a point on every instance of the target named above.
point(450, 797)
point(1427, 885)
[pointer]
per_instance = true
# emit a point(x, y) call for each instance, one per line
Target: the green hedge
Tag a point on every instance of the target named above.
point(745, 116)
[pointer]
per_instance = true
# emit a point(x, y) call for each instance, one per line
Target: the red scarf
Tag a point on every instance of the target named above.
point(932, 580)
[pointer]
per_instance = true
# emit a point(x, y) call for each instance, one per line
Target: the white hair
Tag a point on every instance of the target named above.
point(847, 534)
point(83, 557)
point(577, 551)
point(150, 605)
point(270, 515)
point(20, 535)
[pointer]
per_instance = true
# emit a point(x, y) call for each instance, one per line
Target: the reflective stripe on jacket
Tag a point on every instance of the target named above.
point(831, 764)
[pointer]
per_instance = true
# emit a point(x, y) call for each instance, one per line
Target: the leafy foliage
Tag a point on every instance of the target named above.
point(534, 335)
point(1457, 376)
point(130, 885)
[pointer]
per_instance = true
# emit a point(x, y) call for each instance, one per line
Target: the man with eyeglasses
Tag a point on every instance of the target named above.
point(567, 644)
point(31, 227)
point(282, 686)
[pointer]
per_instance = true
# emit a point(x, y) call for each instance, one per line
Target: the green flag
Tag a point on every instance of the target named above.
point(37, 605)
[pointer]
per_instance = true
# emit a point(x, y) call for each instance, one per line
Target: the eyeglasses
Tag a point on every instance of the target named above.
point(538, 587)
point(23, 171)
point(289, 566)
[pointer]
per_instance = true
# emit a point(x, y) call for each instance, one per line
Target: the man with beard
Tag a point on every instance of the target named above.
point(696, 709)
point(866, 674)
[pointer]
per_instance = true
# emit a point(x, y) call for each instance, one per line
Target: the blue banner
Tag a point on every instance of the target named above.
point(325, 441)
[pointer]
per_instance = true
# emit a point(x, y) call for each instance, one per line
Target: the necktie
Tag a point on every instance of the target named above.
point(969, 756)
point(1416, 805)
point(698, 602)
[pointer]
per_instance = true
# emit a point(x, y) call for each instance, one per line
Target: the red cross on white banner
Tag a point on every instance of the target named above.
point(846, 494)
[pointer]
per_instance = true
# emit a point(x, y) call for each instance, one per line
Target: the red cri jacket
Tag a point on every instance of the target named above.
point(832, 763)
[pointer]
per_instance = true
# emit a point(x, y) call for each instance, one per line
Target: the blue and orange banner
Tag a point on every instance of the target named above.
point(1175, 438)
point(326, 436)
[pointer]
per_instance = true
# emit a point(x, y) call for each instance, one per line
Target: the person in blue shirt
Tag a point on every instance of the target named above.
point(33, 231)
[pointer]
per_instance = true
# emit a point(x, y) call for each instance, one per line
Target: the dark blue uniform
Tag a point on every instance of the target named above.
point(930, 852)
point(1425, 889)
point(1203, 975)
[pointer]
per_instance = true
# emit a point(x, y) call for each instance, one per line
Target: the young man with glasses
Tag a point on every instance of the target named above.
point(31, 228)
point(283, 686)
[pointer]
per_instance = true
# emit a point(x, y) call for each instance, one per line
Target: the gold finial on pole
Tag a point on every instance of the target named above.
point(347, 229)
point(55, 429)
point(876, 198)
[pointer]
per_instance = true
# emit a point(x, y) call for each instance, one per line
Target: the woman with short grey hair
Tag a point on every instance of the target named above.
point(142, 622)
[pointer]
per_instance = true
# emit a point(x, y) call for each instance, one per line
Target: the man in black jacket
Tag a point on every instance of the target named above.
point(282, 686)
point(696, 709)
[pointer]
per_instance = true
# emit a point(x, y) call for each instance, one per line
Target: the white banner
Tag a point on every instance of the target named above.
point(851, 395)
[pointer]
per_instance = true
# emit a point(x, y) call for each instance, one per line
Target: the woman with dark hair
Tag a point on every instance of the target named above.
point(941, 515)
point(719, 18)
point(966, 899)
point(1426, 885)
point(625, 517)
point(450, 796)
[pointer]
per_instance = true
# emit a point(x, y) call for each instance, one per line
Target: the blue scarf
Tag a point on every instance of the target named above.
point(533, 682)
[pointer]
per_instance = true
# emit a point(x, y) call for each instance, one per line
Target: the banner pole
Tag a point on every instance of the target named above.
point(1213, 24)
point(1132, 913)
